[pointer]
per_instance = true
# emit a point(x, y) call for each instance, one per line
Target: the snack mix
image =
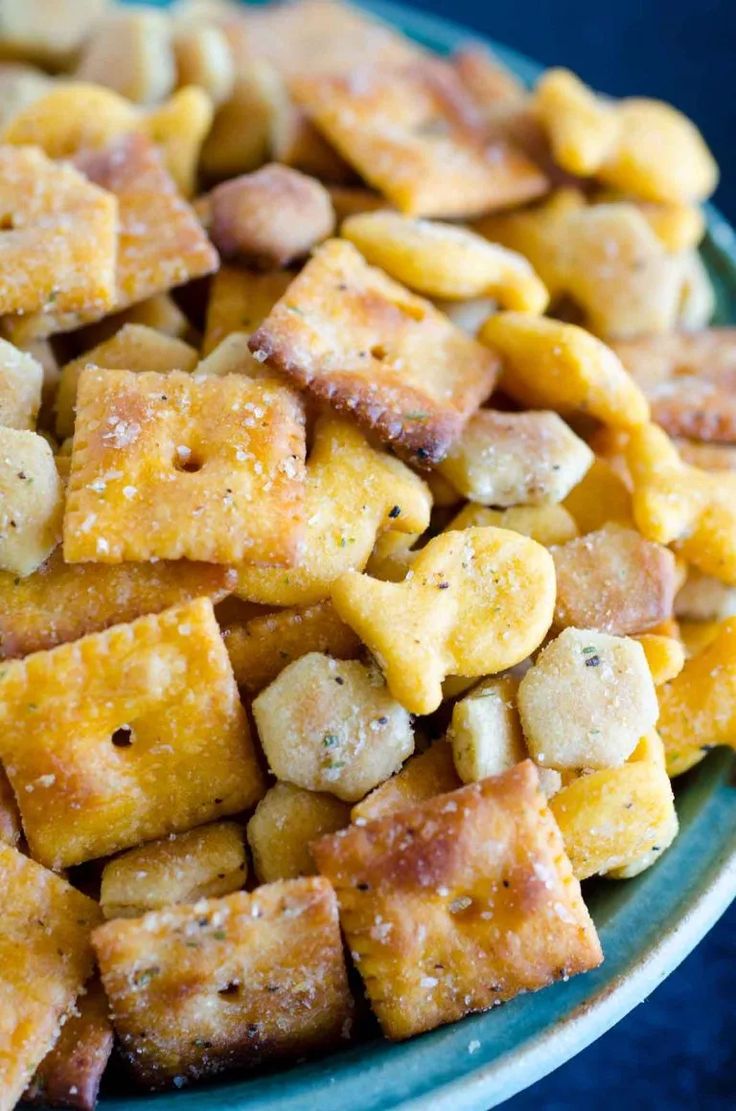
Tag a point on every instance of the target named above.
point(367, 530)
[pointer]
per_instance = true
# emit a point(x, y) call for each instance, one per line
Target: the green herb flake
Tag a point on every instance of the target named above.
point(330, 740)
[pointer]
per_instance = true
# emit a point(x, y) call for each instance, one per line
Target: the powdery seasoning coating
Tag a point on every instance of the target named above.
point(138, 732)
point(413, 133)
point(454, 588)
point(181, 868)
point(59, 242)
point(459, 903)
point(615, 581)
point(285, 822)
point(64, 601)
point(70, 1075)
point(44, 942)
point(355, 338)
point(258, 976)
point(332, 725)
point(173, 466)
point(587, 700)
point(690, 380)
point(510, 459)
point(353, 494)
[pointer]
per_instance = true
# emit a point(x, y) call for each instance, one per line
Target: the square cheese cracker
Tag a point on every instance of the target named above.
point(173, 466)
point(354, 337)
point(231, 982)
point(126, 735)
point(413, 132)
point(45, 959)
point(459, 903)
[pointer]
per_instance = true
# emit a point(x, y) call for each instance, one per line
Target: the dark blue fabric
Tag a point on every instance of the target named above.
point(678, 1049)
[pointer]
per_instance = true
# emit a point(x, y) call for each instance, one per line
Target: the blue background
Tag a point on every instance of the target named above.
point(678, 1049)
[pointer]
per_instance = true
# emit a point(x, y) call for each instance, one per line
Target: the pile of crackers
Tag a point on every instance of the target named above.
point(367, 530)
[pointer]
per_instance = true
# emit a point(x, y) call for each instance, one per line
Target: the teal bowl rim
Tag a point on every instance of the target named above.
point(648, 925)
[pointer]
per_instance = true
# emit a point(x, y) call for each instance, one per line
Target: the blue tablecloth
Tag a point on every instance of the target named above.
point(678, 1049)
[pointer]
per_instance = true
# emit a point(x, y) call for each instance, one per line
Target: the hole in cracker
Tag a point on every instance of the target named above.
point(186, 460)
point(230, 991)
point(122, 737)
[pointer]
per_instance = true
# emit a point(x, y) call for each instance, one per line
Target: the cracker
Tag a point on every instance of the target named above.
point(61, 602)
point(507, 459)
point(618, 272)
point(665, 656)
point(332, 725)
point(59, 242)
point(582, 128)
point(708, 456)
point(69, 117)
point(485, 732)
point(422, 777)
point(161, 244)
point(660, 154)
point(459, 903)
point(487, 594)
point(550, 364)
point(271, 217)
point(240, 138)
point(676, 502)
point(179, 128)
point(130, 51)
point(704, 598)
point(134, 347)
point(587, 700)
point(20, 85)
point(203, 57)
point(21, 379)
point(45, 959)
point(70, 1075)
point(547, 524)
point(233, 356)
point(239, 301)
point(231, 982)
point(137, 732)
point(286, 821)
point(413, 133)
point(316, 36)
point(161, 241)
point(262, 647)
point(173, 466)
point(49, 31)
point(601, 497)
point(10, 830)
point(353, 493)
point(199, 864)
point(31, 501)
point(392, 556)
point(485, 77)
point(613, 580)
point(698, 707)
point(159, 312)
point(445, 261)
point(295, 141)
point(611, 819)
point(356, 338)
point(690, 380)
